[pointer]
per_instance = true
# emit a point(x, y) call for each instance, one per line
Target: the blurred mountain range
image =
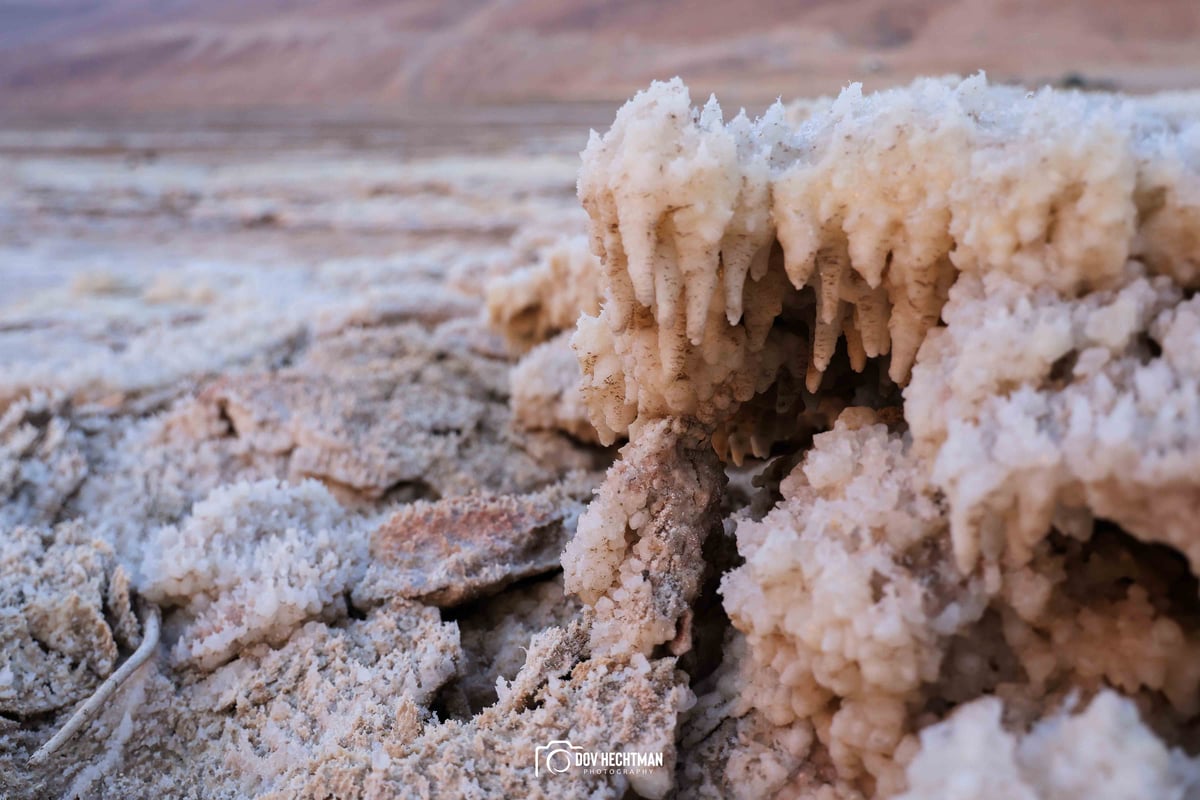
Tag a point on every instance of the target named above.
point(149, 55)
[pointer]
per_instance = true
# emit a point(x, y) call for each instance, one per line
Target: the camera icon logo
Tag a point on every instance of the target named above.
point(555, 757)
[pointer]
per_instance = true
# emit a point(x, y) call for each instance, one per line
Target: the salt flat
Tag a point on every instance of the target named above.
point(849, 451)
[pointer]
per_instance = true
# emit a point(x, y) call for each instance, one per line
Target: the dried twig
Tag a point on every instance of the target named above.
point(86, 712)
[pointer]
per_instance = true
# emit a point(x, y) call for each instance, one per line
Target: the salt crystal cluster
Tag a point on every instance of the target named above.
point(533, 303)
point(250, 564)
point(1103, 751)
point(848, 597)
point(1035, 410)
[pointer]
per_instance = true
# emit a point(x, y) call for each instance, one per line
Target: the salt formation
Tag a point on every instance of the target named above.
point(65, 606)
point(636, 557)
point(545, 391)
point(875, 203)
point(350, 413)
point(1033, 409)
point(305, 717)
point(300, 720)
point(600, 701)
point(534, 303)
point(848, 597)
point(457, 549)
point(497, 633)
point(41, 460)
point(536, 308)
point(251, 563)
point(1064, 756)
point(1022, 265)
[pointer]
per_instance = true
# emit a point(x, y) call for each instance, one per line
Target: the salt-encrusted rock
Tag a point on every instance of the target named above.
point(42, 463)
point(376, 410)
point(545, 391)
point(306, 719)
point(636, 557)
point(337, 415)
point(64, 612)
point(320, 711)
point(155, 469)
point(498, 632)
point(453, 550)
point(600, 704)
point(535, 303)
point(251, 563)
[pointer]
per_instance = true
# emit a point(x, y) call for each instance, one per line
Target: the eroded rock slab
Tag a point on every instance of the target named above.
point(460, 548)
point(376, 410)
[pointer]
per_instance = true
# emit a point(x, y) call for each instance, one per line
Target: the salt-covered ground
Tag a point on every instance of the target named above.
point(904, 391)
point(133, 259)
point(227, 359)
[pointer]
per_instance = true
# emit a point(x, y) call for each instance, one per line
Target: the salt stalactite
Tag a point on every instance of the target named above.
point(877, 204)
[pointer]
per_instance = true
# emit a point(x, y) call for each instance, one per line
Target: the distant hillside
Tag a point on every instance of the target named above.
point(203, 54)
